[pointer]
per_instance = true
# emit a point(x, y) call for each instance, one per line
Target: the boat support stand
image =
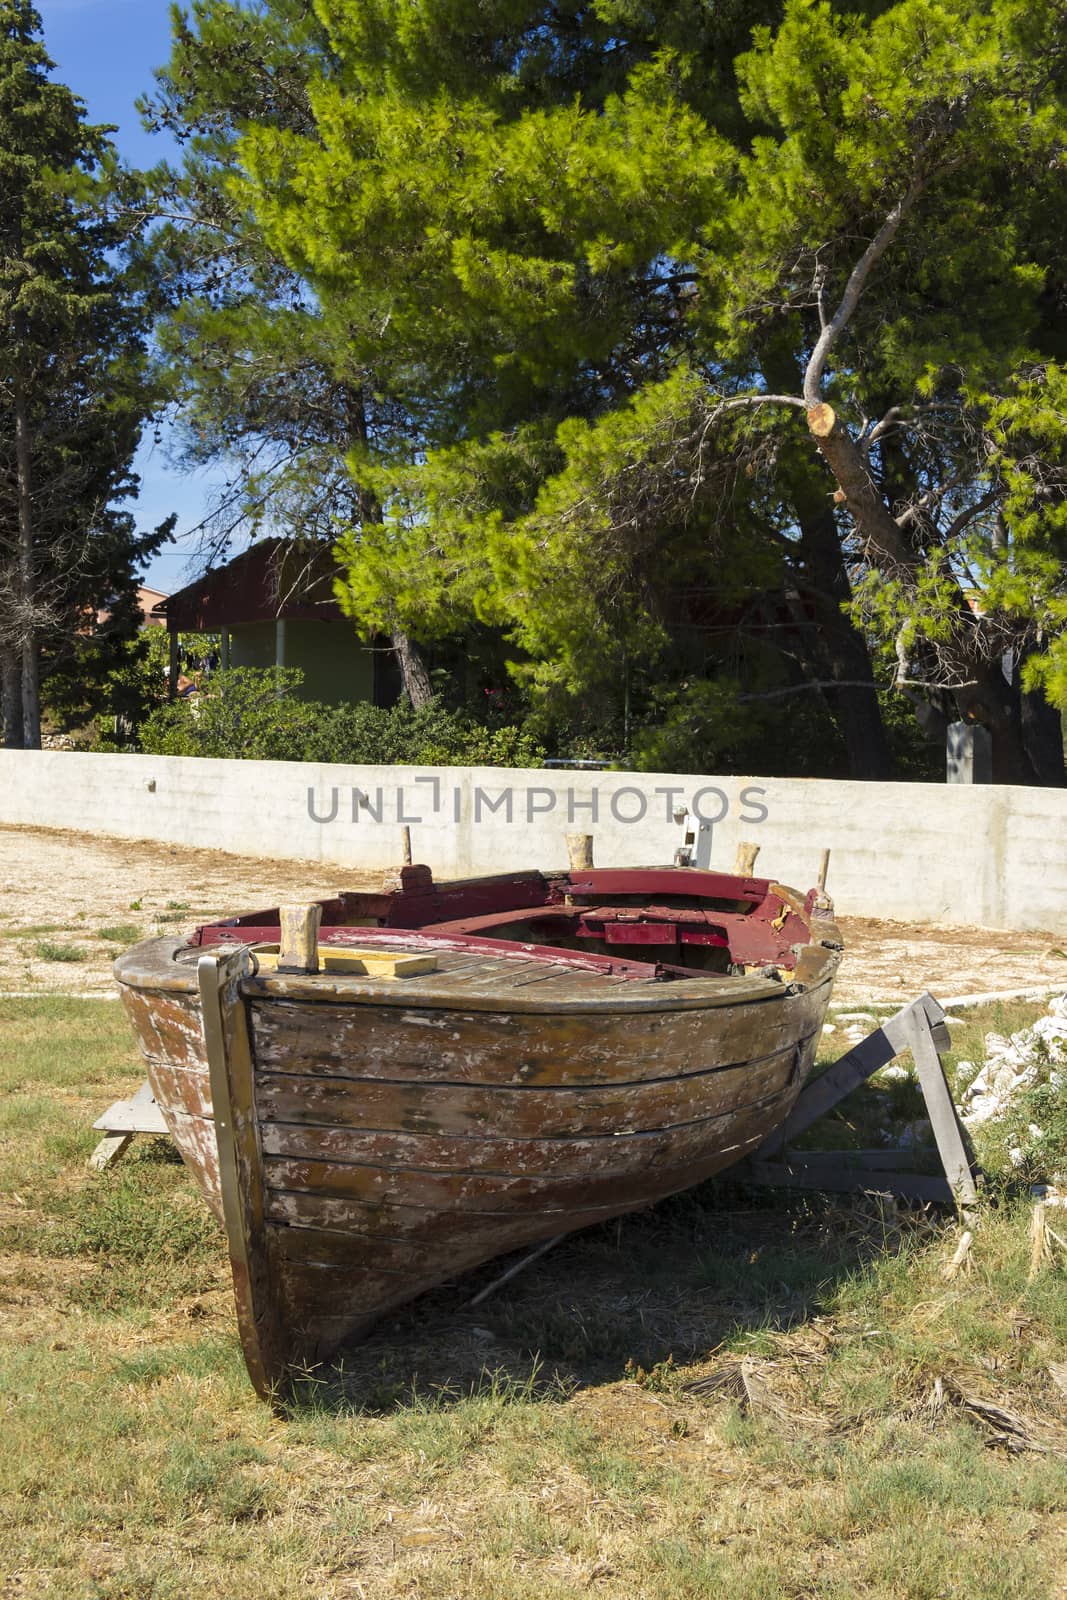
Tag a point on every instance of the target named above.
point(919, 1028)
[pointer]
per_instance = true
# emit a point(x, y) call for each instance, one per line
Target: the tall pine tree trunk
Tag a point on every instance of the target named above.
point(1043, 738)
point(31, 695)
point(413, 670)
point(31, 686)
point(11, 698)
point(837, 648)
point(414, 674)
point(987, 699)
point(994, 703)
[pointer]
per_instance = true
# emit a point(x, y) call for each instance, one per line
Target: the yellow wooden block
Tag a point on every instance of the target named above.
point(367, 963)
point(376, 963)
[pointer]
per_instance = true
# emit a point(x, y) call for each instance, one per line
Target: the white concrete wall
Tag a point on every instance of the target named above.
point(994, 856)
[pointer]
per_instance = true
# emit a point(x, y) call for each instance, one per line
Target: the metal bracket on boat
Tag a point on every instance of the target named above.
point(920, 1029)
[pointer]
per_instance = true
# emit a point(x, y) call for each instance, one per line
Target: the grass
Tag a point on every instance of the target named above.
point(543, 1446)
point(120, 933)
point(48, 950)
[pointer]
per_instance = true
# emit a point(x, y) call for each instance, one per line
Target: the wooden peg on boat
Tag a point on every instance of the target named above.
point(745, 862)
point(417, 879)
point(299, 947)
point(405, 845)
point(580, 851)
point(824, 867)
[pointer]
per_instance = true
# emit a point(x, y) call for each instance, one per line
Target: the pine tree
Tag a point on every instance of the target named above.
point(262, 383)
point(670, 302)
point(74, 308)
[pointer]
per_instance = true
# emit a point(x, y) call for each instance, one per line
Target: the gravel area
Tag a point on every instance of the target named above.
point(59, 892)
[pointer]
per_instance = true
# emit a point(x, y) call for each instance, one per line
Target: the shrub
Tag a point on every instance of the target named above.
point(243, 712)
point(254, 714)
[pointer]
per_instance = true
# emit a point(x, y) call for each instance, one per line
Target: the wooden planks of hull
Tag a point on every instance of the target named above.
point(456, 1108)
point(365, 1140)
point(544, 1173)
point(176, 1086)
point(504, 1048)
point(198, 1147)
point(336, 1283)
point(168, 1025)
point(404, 1238)
point(420, 1205)
point(328, 1150)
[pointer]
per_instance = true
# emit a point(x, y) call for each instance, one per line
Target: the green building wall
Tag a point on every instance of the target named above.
point(338, 668)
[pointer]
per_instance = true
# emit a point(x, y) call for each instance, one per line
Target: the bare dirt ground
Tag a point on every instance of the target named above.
point(58, 890)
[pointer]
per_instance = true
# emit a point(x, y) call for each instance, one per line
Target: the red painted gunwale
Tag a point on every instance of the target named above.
point(749, 917)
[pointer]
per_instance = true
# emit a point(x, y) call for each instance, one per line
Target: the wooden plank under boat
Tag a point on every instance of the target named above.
point(567, 1048)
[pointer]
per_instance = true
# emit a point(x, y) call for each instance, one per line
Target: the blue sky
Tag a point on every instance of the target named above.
point(105, 50)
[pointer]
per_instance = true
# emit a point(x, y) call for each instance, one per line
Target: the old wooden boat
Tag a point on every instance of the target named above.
point(472, 1068)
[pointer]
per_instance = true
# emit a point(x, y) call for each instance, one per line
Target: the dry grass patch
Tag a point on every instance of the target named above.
point(731, 1395)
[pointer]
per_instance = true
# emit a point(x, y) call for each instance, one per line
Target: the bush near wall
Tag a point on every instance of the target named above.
point(251, 714)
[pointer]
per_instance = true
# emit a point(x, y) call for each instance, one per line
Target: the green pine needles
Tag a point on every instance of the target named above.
point(592, 270)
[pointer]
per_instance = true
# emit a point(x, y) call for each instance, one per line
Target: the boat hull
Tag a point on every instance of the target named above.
point(375, 1141)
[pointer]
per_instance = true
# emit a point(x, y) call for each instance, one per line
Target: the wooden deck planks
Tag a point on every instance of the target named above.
point(502, 973)
point(162, 968)
point(578, 992)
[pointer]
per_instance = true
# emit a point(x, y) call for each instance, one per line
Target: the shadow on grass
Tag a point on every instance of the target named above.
point(633, 1298)
point(649, 1292)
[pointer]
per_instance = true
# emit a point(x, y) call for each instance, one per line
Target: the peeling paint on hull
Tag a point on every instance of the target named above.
point(394, 1135)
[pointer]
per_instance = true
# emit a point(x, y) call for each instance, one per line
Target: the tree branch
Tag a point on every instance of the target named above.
point(818, 283)
point(931, 498)
point(816, 683)
point(816, 367)
point(957, 526)
point(881, 428)
point(739, 402)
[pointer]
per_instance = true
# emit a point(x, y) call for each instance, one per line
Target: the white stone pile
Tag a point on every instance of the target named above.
point(1033, 1055)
